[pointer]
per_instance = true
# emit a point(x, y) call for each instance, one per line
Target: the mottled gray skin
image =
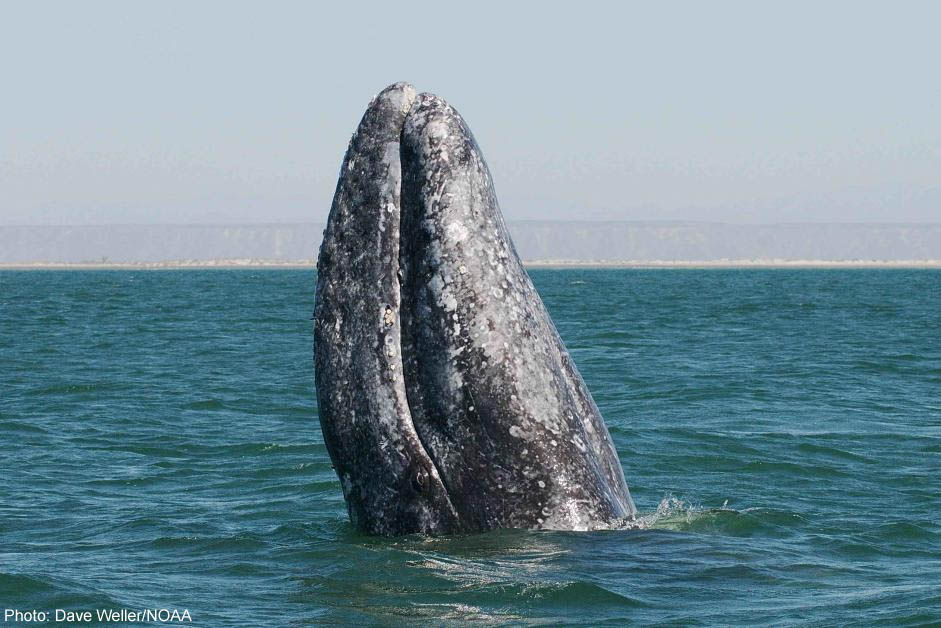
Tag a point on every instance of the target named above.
point(494, 395)
point(389, 482)
point(447, 399)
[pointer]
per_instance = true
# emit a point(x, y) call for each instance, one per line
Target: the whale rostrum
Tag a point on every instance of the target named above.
point(447, 400)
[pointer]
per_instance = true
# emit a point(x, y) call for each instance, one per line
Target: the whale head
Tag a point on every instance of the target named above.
point(447, 399)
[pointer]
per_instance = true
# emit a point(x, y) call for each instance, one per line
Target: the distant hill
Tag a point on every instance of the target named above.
point(157, 243)
point(701, 241)
point(535, 240)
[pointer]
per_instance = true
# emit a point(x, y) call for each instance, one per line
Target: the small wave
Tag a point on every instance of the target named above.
point(900, 531)
point(452, 612)
point(51, 592)
point(225, 450)
point(746, 573)
point(16, 426)
point(681, 516)
point(241, 543)
point(670, 512)
point(18, 585)
point(206, 404)
point(77, 389)
point(799, 470)
point(571, 593)
point(832, 452)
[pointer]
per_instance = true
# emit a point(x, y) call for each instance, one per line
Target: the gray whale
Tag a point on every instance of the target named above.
point(447, 400)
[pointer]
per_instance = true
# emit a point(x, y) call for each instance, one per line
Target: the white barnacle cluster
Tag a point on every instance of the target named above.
point(403, 98)
point(456, 232)
point(388, 316)
point(389, 184)
point(389, 340)
point(570, 514)
point(518, 432)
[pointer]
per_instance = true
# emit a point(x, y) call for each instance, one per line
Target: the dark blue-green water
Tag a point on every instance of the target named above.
point(780, 431)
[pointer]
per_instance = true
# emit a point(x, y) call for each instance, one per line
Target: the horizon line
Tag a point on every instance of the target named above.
point(508, 221)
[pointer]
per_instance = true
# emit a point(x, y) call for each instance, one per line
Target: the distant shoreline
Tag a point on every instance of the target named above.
point(573, 243)
point(310, 264)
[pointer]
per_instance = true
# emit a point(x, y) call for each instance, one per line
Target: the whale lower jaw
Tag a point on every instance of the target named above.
point(447, 400)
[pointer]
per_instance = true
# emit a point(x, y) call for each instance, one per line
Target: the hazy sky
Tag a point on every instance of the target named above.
point(132, 112)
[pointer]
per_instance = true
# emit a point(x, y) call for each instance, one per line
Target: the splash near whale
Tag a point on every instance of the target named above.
point(447, 400)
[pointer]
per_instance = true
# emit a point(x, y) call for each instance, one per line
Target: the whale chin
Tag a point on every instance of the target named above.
point(447, 399)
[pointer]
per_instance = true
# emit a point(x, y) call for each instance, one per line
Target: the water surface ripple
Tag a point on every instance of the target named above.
point(780, 431)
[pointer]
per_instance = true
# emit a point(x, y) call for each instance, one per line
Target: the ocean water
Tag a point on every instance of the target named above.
point(780, 431)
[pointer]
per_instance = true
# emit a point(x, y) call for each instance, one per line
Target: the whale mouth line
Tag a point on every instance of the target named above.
point(423, 450)
point(404, 250)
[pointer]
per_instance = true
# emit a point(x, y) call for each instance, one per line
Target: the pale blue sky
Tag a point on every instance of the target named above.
point(131, 112)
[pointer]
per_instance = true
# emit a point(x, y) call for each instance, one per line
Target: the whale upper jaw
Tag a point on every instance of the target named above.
point(447, 399)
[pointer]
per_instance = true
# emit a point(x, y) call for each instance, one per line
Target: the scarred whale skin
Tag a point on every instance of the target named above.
point(447, 400)
point(389, 482)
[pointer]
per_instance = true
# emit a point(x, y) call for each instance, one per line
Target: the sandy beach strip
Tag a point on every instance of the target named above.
point(548, 263)
point(736, 263)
